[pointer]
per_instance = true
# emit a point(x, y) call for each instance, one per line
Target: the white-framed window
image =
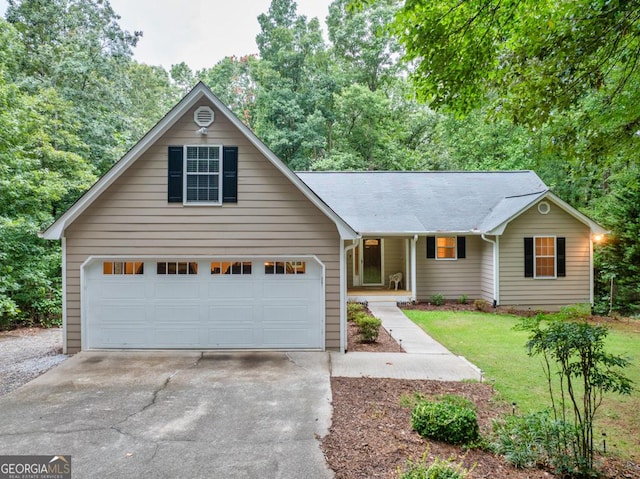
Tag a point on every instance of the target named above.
point(231, 267)
point(544, 256)
point(184, 268)
point(203, 177)
point(446, 247)
point(285, 267)
point(122, 267)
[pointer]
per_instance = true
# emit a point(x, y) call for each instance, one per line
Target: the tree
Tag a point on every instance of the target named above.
point(574, 355)
point(292, 84)
point(362, 42)
point(535, 56)
point(232, 80)
point(77, 48)
point(619, 258)
point(40, 176)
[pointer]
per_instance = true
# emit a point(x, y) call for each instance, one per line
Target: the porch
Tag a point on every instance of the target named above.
point(371, 263)
point(378, 295)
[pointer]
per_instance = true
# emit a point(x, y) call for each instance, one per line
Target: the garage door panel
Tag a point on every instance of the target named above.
point(231, 337)
point(176, 289)
point(127, 289)
point(175, 337)
point(231, 313)
point(120, 314)
point(132, 337)
point(284, 289)
point(226, 289)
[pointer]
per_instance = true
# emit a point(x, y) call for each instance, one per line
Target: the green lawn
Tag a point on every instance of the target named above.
point(490, 342)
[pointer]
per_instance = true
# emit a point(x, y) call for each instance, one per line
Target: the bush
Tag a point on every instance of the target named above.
point(439, 469)
point(353, 309)
point(535, 439)
point(452, 419)
point(463, 299)
point(368, 327)
point(437, 299)
point(481, 304)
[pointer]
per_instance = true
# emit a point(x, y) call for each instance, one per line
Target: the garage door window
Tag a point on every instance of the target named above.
point(285, 267)
point(230, 267)
point(177, 267)
point(122, 267)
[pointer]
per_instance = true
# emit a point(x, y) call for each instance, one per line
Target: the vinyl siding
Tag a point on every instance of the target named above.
point(451, 278)
point(272, 217)
point(546, 294)
point(487, 271)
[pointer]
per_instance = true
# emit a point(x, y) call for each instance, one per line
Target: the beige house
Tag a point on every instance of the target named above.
point(201, 238)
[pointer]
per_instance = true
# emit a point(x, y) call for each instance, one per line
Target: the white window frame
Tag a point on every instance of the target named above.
point(455, 248)
point(185, 200)
point(555, 257)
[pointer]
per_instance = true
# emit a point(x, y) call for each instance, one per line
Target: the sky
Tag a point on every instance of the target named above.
point(198, 32)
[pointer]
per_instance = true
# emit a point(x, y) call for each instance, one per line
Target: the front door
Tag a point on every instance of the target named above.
point(372, 261)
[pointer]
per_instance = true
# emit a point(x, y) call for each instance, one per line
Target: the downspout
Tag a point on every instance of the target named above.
point(343, 292)
point(63, 244)
point(414, 288)
point(496, 269)
point(591, 279)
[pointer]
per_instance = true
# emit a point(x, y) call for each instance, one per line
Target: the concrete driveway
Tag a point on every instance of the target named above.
point(176, 414)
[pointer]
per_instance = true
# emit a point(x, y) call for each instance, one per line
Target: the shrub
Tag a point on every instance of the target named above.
point(439, 469)
point(463, 299)
point(437, 299)
point(535, 439)
point(368, 327)
point(353, 309)
point(452, 419)
point(481, 305)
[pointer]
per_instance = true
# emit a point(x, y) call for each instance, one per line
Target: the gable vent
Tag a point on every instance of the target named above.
point(203, 116)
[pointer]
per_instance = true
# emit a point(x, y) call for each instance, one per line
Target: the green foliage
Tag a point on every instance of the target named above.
point(575, 359)
point(437, 299)
point(452, 419)
point(481, 304)
point(411, 400)
point(463, 299)
point(535, 440)
point(438, 469)
point(353, 310)
point(618, 260)
point(368, 327)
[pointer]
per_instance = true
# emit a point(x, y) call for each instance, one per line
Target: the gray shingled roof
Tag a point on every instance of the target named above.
point(426, 202)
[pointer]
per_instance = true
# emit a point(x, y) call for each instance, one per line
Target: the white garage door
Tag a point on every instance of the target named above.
point(215, 303)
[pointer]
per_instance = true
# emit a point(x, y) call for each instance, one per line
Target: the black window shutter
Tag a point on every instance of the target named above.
point(431, 246)
point(561, 257)
point(528, 257)
point(174, 182)
point(230, 174)
point(462, 247)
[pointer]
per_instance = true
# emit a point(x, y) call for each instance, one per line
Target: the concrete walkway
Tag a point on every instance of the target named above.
point(425, 358)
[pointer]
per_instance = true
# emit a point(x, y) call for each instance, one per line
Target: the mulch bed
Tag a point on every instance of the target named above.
point(385, 343)
point(371, 435)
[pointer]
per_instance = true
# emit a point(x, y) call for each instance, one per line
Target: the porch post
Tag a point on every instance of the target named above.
point(414, 289)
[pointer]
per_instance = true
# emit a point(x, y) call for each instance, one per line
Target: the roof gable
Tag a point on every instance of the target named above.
point(200, 91)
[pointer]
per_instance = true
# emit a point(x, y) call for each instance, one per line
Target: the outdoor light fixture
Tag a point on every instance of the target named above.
point(598, 238)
